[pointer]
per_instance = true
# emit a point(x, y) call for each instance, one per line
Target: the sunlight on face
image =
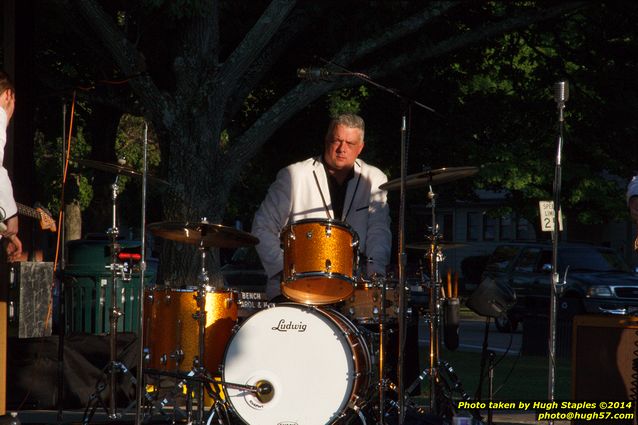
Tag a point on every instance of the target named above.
point(342, 147)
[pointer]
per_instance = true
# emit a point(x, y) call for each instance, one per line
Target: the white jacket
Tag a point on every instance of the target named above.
point(632, 188)
point(299, 192)
point(8, 206)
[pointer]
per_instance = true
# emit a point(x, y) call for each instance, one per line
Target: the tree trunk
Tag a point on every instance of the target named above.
point(72, 221)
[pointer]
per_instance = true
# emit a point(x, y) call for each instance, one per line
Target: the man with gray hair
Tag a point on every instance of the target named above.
point(334, 186)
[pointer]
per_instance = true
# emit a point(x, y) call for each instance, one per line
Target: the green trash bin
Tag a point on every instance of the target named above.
point(88, 287)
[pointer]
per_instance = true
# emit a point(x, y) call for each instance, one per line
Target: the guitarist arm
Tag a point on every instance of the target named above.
point(633, 207)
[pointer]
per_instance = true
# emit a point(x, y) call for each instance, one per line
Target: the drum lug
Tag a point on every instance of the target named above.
point(328, 265)
point(328, 230)
point(228, 303)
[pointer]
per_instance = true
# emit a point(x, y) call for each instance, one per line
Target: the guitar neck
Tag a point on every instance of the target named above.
point(27, 211)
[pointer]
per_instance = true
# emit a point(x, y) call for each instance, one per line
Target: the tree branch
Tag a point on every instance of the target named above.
point(130, 62)
point(412, 24)
point(252, 45)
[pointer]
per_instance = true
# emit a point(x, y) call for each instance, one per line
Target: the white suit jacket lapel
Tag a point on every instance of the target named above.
point(322, 181)
point(351, 191)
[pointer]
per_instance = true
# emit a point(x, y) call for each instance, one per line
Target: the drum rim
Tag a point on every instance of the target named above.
point(190, 289)
point(328, 221)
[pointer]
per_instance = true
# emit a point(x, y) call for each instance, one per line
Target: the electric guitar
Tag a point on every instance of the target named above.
point(42, 215)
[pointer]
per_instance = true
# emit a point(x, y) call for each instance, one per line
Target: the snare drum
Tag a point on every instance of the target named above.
point(364, 306)
point(313, 363)
point(171, 333)
point(320, 261)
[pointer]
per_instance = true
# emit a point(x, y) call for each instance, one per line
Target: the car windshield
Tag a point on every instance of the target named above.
point(591, 259)
point(501, 258)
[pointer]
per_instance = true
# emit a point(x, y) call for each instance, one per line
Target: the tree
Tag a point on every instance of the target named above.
point(218, 87)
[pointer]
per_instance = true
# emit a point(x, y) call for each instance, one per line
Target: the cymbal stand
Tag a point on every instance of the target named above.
point(383, 382)
point(118, 270)
point(113, 233)
point(203, 287)
point(435, 256)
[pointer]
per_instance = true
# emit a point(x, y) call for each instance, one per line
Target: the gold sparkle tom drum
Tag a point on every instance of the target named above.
point(320, 261)
point(364, 305)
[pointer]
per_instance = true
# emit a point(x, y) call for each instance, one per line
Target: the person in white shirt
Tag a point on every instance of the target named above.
point(8, 207)
point(336, 186)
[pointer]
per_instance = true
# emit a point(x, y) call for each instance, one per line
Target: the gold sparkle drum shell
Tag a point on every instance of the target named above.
point(365, 304)
point(320, 261)
point(171, 333)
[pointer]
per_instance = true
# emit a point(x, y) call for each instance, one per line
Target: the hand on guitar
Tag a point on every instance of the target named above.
point(14, 244)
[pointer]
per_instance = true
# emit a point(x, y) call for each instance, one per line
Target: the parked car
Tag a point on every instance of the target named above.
point(593, 279)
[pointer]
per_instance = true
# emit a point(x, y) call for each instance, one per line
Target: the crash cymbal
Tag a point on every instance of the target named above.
point(123, 170)
point(210, 235)
point(431, 177)
point(442, 244)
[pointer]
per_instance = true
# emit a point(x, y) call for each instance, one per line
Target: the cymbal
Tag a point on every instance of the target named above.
point(431, 177)
point(210, 235)
point(442, 244)
point(123, 170)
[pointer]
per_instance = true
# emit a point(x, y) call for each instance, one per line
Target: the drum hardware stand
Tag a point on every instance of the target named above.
point(203, 287)
point(118, 270)
point(439, 372)
point(383, 383)
point(435, 257)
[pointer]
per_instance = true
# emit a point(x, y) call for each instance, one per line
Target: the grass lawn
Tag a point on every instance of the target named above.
point(515, 377)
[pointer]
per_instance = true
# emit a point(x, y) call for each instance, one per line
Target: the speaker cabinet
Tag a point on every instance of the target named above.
point(29, 297)
point(604, 358)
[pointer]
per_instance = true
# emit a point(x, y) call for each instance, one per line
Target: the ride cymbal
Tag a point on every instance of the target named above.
point(431, 177)
point(209, 235)
point(123, 170)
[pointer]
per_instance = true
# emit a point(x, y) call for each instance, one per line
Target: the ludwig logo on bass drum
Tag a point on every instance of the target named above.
point(282, 326)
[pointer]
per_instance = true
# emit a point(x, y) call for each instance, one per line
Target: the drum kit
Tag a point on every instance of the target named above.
point(318, 358)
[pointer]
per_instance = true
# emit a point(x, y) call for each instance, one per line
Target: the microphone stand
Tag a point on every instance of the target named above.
point(61, 290)
point(140, 324)
point(402, 258)
point(560, 95)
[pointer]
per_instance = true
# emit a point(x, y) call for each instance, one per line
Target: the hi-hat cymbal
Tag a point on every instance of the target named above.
point(209, 235)
point(431, 177)
point(123, 170)
point(426, 245)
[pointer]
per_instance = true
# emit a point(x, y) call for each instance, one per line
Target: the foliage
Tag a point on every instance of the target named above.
point(346, 101)
point(215, 80)
point(128, 146)
point(48, 154)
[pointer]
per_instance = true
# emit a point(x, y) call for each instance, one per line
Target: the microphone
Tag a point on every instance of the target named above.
point(451, 319)
point(314, 74)
point(561, 92)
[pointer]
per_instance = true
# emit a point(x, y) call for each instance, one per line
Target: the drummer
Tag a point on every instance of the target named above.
point(337, 185)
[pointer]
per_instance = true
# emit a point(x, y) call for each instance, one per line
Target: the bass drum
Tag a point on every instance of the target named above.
point(312, 363)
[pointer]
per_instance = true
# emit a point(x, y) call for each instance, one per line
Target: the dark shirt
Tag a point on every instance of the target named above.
point(338, 192)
